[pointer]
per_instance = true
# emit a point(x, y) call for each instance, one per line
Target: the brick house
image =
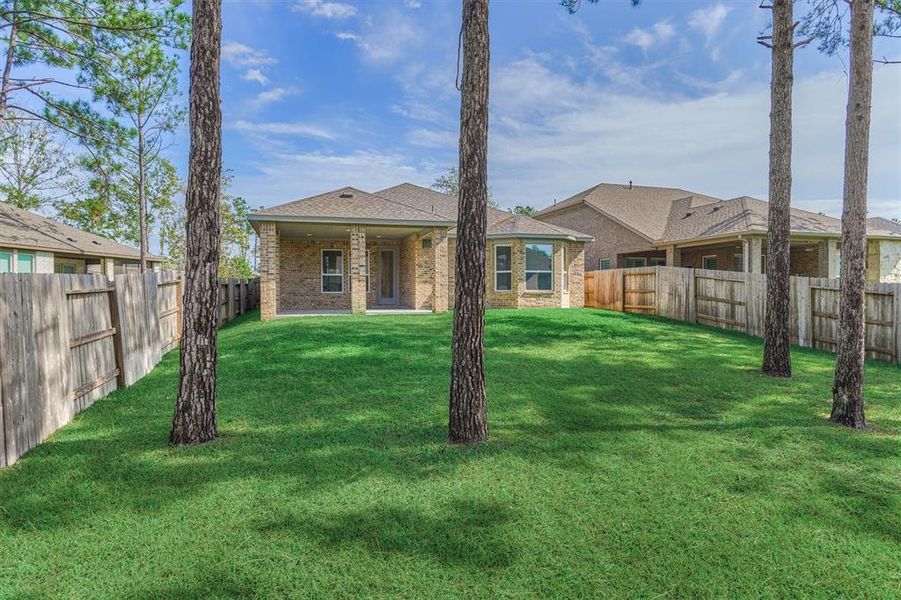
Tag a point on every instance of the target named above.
point(636, 226)
point(351, 251)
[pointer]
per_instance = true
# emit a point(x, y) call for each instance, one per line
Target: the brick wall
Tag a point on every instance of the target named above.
point(269, 264)
point(610, 238)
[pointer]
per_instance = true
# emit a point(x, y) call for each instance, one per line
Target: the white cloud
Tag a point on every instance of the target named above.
point(326, 10)
point(386, 38)
point(270, 96)
point(659, 33)
point(413, 4)
point(242, 55)
point(282, 128)
point(277, 178)
point(709, 20)
point(552, 136)
point(250, 59)
point(255, 74)
point(428, 138)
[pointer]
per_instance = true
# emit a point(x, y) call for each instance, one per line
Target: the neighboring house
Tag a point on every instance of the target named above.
point(30, 243)
point(636, 226)
point(348, 250)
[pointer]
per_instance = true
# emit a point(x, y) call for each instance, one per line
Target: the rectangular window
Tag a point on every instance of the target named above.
point(6, 261)
point(738, 262)
point(656, 261)
point(709, 262)
point(565, 270)
point(636, 261)
point(25, 262)
point(503, 268)
point(332, 271)
point(368, 288)
point(539, 267)
point(604, 264)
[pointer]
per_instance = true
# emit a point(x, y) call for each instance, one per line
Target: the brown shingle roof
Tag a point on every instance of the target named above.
point(500, 222)
point(882, 226)
point(350, 205)
point(644, 209)
point(23, 229)
point(749, 215)
point(405, 203)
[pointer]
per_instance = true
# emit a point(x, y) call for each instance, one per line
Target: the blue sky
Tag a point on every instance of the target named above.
point(319, 94)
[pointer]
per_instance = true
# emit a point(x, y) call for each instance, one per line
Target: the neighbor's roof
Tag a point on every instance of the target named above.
point(644, 209)
point(405, 204)
point(23, 229)
point(749, 215)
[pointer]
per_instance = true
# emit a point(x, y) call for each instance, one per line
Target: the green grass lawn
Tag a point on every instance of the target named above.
point(628, 456)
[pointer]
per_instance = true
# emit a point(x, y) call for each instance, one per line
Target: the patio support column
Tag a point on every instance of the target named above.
point(673, 256)
point(832, 259)
point(752, 255)
point(358, 269)
point(269, 257)
point(439, 258)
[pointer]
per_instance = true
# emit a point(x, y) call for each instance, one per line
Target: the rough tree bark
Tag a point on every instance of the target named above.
point(8, 65)
point(468, 415)
point(142, 196)
point(195, 409)
point(847, 391)
point(777, 334)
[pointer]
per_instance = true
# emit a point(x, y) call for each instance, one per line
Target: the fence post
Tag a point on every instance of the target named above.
point(692, 297)
point(115, 323)
point(896, 320)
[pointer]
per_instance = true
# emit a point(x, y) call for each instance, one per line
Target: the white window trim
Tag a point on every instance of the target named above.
point(322, 274)
point(34, 260)
point(565, 269)
point(601, 266)
point(526, 270)
point(641, 258)
point(13, 265)
point(657, 258)
point(510, 246)
point(704, 260)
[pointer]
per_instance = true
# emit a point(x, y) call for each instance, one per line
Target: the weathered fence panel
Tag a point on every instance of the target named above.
point(737, 301)
point(68, 340)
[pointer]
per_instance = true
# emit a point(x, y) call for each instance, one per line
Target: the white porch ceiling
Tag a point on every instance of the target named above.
point(322, 231)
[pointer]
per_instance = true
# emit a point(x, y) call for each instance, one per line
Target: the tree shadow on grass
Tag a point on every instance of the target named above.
point(323, 403)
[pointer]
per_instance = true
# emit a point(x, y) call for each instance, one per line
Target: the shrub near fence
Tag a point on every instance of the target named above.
point(68, 340)
point(737, 301)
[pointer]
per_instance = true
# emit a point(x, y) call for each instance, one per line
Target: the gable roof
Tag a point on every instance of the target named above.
point(643, 209)
point(24, 229)
point(405, 204)
point(750, 215)
point(500, 222)
point(350, 205)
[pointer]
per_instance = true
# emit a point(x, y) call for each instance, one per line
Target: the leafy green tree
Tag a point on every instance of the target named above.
point(526, 211)
point(35, 168)
point(449, 183)
point(63, 40)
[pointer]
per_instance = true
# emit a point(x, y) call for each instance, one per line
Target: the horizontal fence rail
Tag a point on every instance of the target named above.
point(737, 301)
point(68, 340)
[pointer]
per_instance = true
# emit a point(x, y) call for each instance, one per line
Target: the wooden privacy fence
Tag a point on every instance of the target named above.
point(68, 340)
point(737, 301)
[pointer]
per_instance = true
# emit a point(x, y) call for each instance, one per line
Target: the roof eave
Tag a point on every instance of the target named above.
point(349, 221)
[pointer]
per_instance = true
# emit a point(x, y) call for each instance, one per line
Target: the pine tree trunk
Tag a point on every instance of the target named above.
point(142, 195)
point(777, 335)
point(195, 409)
point(847, 391)
point(468, 417)
point(8, 66)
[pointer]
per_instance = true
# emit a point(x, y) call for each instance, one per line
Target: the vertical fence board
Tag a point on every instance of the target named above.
point(735, 300)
